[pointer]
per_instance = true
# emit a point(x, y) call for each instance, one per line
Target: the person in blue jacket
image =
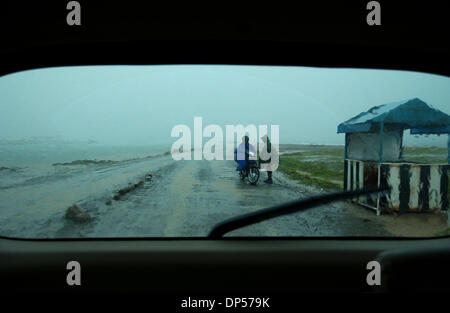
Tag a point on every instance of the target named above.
point(241, 153)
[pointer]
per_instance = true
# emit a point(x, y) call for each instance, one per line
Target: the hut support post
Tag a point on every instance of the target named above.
point(378, 186)
point(379, 165)
point(381, 143)
point(346, 144)
point(448, 149)
point(401, 147)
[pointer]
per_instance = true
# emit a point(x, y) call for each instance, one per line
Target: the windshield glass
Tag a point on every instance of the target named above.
point(170, 151)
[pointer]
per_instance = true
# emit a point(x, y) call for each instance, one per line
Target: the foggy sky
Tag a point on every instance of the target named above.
point(141, 104)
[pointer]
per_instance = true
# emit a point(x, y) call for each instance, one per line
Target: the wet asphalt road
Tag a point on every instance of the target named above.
point(187, 198)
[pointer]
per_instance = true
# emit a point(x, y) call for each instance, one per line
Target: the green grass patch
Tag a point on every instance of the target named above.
point(319, 173)
point(327, 170)
point(443, 233)
point(320, 153)
point(426, 155)
point(323, 166)
point(423, 150)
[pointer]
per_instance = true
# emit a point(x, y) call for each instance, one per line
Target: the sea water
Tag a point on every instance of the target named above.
point(25, 160)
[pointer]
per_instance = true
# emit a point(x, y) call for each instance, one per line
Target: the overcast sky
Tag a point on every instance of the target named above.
point(141, 104)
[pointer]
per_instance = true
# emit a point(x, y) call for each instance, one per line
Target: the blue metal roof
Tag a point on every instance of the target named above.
point(412, 114)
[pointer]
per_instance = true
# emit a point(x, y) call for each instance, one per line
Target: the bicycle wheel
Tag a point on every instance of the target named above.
point(253, 175)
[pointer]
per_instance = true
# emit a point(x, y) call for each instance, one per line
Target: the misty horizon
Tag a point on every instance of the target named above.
point(139, 105)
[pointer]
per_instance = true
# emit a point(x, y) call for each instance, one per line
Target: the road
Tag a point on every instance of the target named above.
point(187, 198)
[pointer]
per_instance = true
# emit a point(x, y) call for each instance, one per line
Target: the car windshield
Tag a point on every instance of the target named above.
point(172, 150)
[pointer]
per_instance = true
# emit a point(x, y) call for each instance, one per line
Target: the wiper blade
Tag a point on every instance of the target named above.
point(286, 208)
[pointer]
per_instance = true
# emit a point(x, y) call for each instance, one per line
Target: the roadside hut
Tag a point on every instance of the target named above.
point(373, 157)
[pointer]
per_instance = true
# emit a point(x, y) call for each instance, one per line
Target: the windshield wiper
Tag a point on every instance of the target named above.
point(286, 208)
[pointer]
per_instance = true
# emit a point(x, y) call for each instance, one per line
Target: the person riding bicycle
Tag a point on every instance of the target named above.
point(242, 153)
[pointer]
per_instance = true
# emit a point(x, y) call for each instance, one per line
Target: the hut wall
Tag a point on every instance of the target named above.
point(414, 187)
point(359, 175)
point(366, 146)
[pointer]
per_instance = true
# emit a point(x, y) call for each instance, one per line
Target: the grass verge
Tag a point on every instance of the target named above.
point(443, 233)
point(322, 174)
